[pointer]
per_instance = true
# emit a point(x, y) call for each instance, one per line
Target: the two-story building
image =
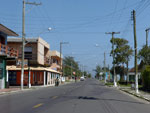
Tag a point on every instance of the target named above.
point(55, 60)
point(6, 53)
point(37, 70)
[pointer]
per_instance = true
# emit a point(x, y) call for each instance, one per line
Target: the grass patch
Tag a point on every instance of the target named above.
point(109, 83)
point(67, 81)
point(121, 85)
point(102, 81)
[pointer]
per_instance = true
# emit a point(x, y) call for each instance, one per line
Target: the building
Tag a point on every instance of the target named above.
point(55, 60)
point(36, 76)
point(36, 51)
point(131, 74)
point(6, 53)
point(37, 69)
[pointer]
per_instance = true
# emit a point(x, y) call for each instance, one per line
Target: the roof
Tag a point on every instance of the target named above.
point(7, 31)
point(55, 53)
point(140, 67)
point(30, 40)
point(14, 68)
point(133, 69)
point(20, 39)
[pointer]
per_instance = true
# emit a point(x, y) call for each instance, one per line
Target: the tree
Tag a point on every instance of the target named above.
point(121, 70)
point(98, 70)
point(144, 54)
point(70, 66)
point(89, 75)
point(85, 73)
point(122, 53)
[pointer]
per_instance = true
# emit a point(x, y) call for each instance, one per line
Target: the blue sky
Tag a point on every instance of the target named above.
point(82, 23)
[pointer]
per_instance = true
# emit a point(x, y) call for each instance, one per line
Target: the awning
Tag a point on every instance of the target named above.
point(14, 68)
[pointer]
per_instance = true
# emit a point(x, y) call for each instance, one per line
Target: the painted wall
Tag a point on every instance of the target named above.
point(36, 77)
point(2, 72)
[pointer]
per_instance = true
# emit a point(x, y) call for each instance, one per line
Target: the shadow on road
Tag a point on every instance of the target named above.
point(104, 99)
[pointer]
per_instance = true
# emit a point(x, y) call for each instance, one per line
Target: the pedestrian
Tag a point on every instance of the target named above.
point(57, 81)
point(75, 79)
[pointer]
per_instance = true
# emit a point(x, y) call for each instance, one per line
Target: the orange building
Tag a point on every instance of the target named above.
point(38, 62)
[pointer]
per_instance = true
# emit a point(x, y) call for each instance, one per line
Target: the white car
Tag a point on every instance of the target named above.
point(82, 78)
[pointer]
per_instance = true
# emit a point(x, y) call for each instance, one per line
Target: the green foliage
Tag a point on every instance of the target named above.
point(121, 70)
point(70, 65)
point(109, 83)
point(122, 51)
point(85, 73)
point(98, 70)
point(146, 78)
point(89, 75)
point(144, 54)
point(122, 55)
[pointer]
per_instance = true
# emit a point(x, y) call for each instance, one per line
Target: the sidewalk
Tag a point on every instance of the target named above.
point(141, 94)
point(9, 90)
point(17, 88)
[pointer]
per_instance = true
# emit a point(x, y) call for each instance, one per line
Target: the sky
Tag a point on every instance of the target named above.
point(82, 23)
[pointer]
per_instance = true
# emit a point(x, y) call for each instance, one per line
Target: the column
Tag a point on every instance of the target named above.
point(44, 77)
point(29, 79)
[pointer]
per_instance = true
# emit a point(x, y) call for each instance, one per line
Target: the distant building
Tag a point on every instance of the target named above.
point(55, 60)
point(131, 73)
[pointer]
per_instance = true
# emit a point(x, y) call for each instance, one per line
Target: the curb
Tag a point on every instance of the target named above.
point(136, 95)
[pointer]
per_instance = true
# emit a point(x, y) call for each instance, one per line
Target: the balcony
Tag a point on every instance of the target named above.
point(7, 51)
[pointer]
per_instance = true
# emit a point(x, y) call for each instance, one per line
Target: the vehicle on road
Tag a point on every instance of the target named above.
point(82, 78)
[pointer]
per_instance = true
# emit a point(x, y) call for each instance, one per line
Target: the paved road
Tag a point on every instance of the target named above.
point(83, 97)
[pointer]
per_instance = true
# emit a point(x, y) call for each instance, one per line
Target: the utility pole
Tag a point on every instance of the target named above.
point(135, 48)
point(61, 59)
point(71, 70)
point(23, 38)
point(147, 31)
point(105, 67)
point(115, 77)
point(108, 71)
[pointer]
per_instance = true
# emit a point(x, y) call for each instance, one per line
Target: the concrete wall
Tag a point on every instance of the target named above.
point(2, 83)
point(40, 53)
point(3, 72)
point(42, 50)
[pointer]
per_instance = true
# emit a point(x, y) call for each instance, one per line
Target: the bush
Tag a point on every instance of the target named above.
point(146, 78)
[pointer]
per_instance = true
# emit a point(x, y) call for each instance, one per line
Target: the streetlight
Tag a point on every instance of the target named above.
point(47, 29)
point(61, 62)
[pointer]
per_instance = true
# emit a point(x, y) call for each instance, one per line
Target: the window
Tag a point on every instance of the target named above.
point(28, 53)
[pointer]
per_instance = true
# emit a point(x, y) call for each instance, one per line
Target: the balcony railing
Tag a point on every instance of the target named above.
point(5, 50)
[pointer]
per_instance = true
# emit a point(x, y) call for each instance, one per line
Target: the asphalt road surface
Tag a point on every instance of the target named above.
point(88, 96)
